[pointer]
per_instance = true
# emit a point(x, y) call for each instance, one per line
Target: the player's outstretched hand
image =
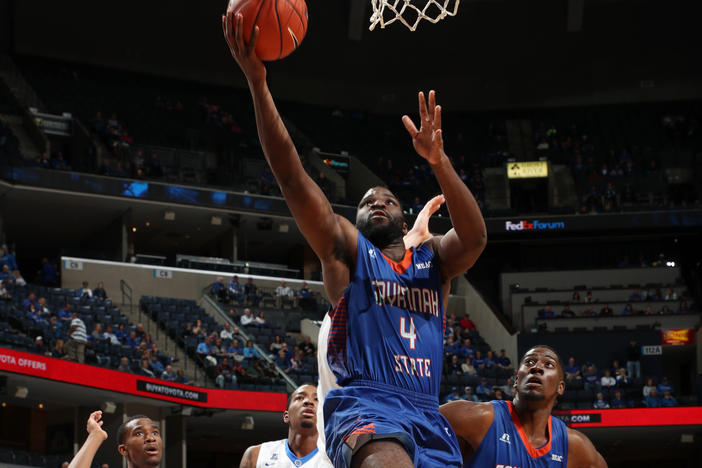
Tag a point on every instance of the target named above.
point(428, 140)
point(244, 54)
point(420, 230)
point(94, 425)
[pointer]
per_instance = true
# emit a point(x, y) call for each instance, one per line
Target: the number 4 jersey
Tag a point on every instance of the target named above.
point(388, 326)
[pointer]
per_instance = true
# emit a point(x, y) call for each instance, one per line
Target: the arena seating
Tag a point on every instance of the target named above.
point(21, 458)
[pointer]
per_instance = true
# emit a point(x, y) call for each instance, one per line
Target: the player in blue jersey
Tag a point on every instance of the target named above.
point(523, 433)
point(385, 343)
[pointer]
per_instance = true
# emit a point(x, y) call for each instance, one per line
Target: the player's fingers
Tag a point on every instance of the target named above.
point(436, 202)
point(437, 139)
point(252, 43)
point(437, 117)
point(432, 100)
point(409, 125)
point(237, 33)
point(422, 108)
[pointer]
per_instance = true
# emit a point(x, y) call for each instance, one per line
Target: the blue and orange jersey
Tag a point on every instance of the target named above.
point(506, 444)
point(388, 325)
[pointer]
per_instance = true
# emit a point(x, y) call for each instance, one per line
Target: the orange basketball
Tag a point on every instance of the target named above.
point(282, 25)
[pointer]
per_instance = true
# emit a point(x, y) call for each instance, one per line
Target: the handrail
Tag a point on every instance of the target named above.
point(263, 353)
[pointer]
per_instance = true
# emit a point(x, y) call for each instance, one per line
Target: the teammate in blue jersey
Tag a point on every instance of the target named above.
point(523, 433)
point(385, 340)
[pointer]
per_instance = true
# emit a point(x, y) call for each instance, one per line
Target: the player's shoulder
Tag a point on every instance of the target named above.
point(250, 457)
point(468, 415)
point(581, 452)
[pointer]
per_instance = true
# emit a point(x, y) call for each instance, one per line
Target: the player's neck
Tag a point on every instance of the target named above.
point(302, 442)
point(395, 250)
point(533, 416)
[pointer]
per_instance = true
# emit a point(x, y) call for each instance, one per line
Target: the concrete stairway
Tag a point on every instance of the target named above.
point(27, 147)
point(166, 345)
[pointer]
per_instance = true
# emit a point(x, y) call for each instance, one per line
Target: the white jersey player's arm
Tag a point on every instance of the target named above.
point(250, 457)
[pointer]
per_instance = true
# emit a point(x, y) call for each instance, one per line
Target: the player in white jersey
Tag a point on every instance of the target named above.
point(300, 448)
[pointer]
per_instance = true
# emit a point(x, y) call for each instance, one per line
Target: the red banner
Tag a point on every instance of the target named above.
point(677, 336)
point(678, 416)
point(115, 381)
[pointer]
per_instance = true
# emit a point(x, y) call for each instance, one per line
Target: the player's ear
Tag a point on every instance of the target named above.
point(122, 449)
point(561, 387)
point(286, 417)
point(404, 228)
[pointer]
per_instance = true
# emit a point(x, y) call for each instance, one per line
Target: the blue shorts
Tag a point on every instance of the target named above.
point(364, 411)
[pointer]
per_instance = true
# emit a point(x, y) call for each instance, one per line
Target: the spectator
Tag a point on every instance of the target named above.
point(575, 297)
point(606, 311)
point(572, 371)
point(225, 373)
point(683, 308)
point(77, 339)
point(109, 335)
point(664, 386)
point(467, 323)
point(600, 402)
point(19, 281)
point(668, 400)
point(635, 296)
point(226, 332)
point(281, 360)
point(198, 329)
point(42, 308)
point(607, 381)
point(498, 394)
point(260, 320)
point(59, 349)
point(451, 346)
point(6, 275)
point(203, 348)
point(566, 312)
point(216, 349)
point(453, 367)
point(139, 330)
point(251, 292)
point(622, 378)
point(155, 365)
point(30, 302)
point(219, 290)
point(589, 312)
point(617, 401)
point(296, 361)
point(48, 273)
point(96, 334)
point(99, 293)
point(276, 345)
point(124, 365)
point(633, 360)
point(670, 295)
point(467, 350)
point(283, 294)
point(235, 351)
point(628, 310)
point(467, 367)
point(452, 395)
point(8, 258)
point(250, 351)
point(305, 299)
point(65, 314)
point(236, 292)
point(648, 387)
point(181, 378)
point(39, 346)
point(503, 361)
point(168, 373)
point(591, 380)
point(468, 394)
point(478, 361)
point(665, 310)
point(307, 346)
point(548, 312)
point(247, 318)
point(489, 360)
point(483, 390)
point(508, 386)
point(588, 298)
point(652, 400)
point(145, 370)
point(85, 292)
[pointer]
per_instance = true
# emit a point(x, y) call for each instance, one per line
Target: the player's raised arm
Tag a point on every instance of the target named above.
point(462, 245)
point(313, 213)
point(470, 422)
point(250, 457)
point(96, 436)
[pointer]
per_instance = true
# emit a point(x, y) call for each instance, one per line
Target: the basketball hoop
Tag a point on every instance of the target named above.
point(386, 12)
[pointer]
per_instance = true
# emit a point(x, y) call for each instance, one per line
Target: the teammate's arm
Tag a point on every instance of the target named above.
point(250, 457)
point(470, 422)
point(420, 229)
point(462, 245)
point(96, 436)
point(581, 452)
point(324, 230)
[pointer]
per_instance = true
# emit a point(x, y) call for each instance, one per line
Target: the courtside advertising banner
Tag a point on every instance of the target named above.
point(106, 379)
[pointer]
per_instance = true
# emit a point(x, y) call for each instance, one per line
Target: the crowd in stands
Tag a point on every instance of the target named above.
point(641, 301)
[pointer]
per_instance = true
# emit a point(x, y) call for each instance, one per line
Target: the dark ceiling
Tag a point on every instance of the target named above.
point(493, 54)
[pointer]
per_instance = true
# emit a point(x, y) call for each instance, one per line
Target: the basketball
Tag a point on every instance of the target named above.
point(282, 25)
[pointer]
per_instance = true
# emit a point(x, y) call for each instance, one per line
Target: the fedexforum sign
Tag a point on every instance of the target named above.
point(535, 225)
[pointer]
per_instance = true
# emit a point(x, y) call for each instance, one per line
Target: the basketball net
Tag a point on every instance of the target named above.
point(386, 12)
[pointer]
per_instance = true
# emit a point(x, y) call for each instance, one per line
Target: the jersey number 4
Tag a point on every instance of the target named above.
point(410, 334)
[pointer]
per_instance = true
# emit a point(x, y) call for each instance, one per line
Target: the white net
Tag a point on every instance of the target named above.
point(386, 12)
